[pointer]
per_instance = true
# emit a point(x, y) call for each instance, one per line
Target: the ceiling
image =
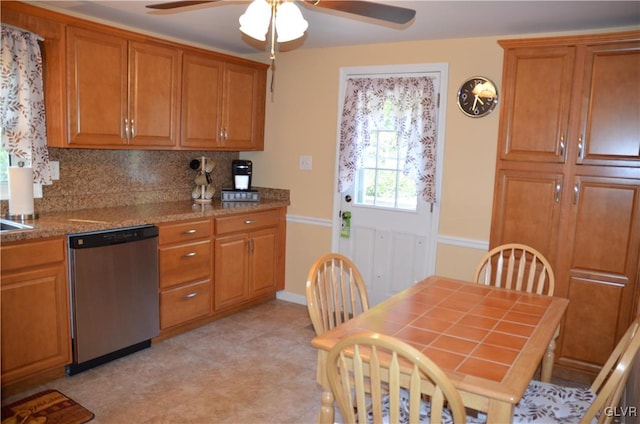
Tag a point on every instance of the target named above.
point(215, 25)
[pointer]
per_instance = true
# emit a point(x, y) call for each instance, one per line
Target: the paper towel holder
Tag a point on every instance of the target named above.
point(21, 217)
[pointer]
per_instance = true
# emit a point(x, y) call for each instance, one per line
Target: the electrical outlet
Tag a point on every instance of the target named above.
point(54, 167)
point(305, 163)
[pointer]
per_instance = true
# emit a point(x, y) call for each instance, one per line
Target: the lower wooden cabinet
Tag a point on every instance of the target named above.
point(35, 308)
point(246, 257)
point(185, 272)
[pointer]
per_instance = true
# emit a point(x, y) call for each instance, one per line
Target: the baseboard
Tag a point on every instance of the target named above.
point(291, 297)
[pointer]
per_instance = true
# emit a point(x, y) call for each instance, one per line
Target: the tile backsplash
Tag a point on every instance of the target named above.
point(103, 178)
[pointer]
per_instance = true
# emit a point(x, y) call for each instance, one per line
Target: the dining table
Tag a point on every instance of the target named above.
point(489, 341)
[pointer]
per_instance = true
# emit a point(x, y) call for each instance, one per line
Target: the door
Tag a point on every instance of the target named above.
point(602, 248)
point(263, 261)
point(201, 88)
point(536, 119)
point(609, 127)
point(231, 267)
point(391, 235)
point(243, 108)
point(153, 95)
point(97, 81)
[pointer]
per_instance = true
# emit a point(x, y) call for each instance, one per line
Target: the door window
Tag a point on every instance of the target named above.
point(380, 182)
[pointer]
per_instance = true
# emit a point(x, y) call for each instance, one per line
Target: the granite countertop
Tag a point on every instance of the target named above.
point(86, 220)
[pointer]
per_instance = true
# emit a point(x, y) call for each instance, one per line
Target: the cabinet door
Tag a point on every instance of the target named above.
point(602, 249)
point(97, 88)
point(231, 267)
point(35, 322)
point(243, 108)
point(536, 95)
point(524, 204)
point(153, 95)
point(610, 123)
point(263, 261)
point(201, 101)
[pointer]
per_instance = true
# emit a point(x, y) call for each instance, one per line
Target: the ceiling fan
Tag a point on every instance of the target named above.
point(383, 12)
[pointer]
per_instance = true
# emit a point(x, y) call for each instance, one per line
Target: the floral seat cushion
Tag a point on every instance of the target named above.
point(425, 411)
point(548, 403)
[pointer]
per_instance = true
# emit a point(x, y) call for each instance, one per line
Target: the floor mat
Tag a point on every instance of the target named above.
point(48, 407)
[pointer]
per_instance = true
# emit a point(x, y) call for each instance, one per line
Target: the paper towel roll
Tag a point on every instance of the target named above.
point(20, 190)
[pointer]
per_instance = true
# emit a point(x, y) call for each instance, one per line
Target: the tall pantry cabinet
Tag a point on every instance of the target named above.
point(568, 180)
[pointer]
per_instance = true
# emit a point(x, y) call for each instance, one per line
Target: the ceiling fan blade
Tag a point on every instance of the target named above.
point(176, 4)
point(383, 12)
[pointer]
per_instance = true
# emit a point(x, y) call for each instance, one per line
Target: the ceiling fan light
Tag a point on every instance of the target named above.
point(290, 24)
point(256, 19)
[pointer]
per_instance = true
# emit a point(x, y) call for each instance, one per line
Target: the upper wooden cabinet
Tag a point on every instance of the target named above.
point(222, 104)
point(568, 180)
point(120, 92)
point(537, 96)
point(576, 102)
point(109, 88)
point(609, 129)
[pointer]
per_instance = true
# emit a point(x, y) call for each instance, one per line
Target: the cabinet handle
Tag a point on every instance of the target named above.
point(126, 128)
point(189, 255)
point(189, 296)
point(580, 148)
point(226, 134)
point(190, 232)
point(250, 245)
point(249, 221)
point(562, 146)
point(133, 129)
point(576, 192)
point(558, 190)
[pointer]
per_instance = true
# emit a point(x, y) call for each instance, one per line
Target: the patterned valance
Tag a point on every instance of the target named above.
point(22, 112)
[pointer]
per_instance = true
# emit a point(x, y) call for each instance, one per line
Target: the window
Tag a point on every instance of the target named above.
point(388, 141)
point(380, 182)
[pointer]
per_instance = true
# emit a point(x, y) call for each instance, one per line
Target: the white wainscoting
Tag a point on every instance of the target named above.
point(442, 239)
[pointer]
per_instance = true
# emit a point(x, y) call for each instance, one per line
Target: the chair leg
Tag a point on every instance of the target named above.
point(549, 357)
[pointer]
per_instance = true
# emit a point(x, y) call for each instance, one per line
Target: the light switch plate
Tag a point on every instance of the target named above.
point(305, 163)
point(54, 166)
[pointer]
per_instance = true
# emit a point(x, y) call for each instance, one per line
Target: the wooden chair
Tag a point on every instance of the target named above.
point(545, 402)
point(335, 292)
point(357, 365)
point(516, 267)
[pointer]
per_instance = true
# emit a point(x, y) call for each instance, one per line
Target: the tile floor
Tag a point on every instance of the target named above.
point(253, 367)
point(256, 366)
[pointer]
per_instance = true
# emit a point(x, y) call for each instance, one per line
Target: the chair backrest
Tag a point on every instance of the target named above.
point(517, 267)
point(335, 292)
point(379, 365)
point(613, 376)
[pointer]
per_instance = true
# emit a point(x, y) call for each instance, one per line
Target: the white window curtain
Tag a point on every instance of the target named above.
point(413, 113)
point(22, 111)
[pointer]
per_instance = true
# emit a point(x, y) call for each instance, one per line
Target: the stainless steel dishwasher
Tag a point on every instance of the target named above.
point(113, 277)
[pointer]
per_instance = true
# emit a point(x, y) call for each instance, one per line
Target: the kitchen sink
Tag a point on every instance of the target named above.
point(6, 225)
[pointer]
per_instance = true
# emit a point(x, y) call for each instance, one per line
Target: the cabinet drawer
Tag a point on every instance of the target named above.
point(183, 304)
point(184, 231)
point(32, 254)
point(247, 222)
point(185, 263)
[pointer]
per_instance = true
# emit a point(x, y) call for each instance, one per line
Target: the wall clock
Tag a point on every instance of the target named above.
point(477, 97)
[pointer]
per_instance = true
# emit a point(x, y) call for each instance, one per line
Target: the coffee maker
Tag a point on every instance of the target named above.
point(241, 173)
